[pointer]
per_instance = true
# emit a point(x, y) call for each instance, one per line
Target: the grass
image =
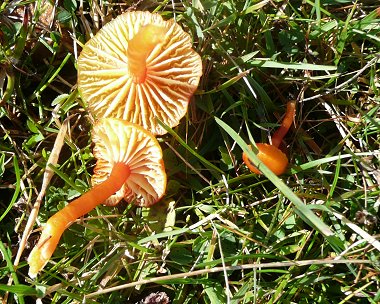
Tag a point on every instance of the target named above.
point(221, 234)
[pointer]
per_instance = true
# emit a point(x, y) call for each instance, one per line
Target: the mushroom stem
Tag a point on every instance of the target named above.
point(139, 48)
point(285, 125)
point(57, 224)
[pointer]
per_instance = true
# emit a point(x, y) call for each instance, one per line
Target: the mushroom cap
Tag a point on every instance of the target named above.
point(120, 141)
point(271, 156)
point(173, 71)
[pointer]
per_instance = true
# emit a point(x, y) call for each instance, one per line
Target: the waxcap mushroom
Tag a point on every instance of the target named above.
point(129, 164)
point(120, 141)
point(271, 155)
point(139, 67)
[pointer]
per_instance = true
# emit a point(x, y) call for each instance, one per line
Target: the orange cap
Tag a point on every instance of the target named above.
point(271, 156)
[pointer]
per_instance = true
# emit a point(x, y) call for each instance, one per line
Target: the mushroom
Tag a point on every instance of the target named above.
point(271, 155)
point(129, 165)
point(139, 67)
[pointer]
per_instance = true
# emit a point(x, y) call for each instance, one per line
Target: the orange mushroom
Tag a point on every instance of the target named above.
point(271, 155)
point(139, 67)
point(129, 165)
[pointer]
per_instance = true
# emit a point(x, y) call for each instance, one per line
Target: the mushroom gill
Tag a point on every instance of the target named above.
point(139, 68)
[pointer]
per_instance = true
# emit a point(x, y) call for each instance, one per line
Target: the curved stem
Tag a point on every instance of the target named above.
point(58, 223)
point(139, 48)
point(285, 125)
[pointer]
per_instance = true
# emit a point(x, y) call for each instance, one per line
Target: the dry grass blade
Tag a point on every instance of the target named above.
point(347, 82)
point(369, 238)
point(48, 174)
point(227, 268)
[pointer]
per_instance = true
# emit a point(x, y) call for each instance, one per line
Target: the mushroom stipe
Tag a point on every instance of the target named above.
point(125, 151)
point(140, 46)
point(271, 155)
point(58, 223)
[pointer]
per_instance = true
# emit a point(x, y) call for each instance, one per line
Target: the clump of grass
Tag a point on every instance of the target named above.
point(222, 234)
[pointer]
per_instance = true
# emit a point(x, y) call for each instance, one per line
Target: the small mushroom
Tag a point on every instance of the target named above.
point(271, 155)
point(129, 165)
point(139, 67)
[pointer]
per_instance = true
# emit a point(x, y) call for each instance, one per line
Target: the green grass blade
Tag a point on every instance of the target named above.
point(290, 65)
point(192, 151)
point(301, 209)
point(17, 188)
point(20, 290)
point(6, 255)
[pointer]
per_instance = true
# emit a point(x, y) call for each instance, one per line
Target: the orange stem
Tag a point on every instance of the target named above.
point(285, 125)
point(57, 224)
point(139, 48)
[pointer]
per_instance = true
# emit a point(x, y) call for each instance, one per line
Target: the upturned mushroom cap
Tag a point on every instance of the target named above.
point(172, 72)
point(271, 156)
point(120, 141)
